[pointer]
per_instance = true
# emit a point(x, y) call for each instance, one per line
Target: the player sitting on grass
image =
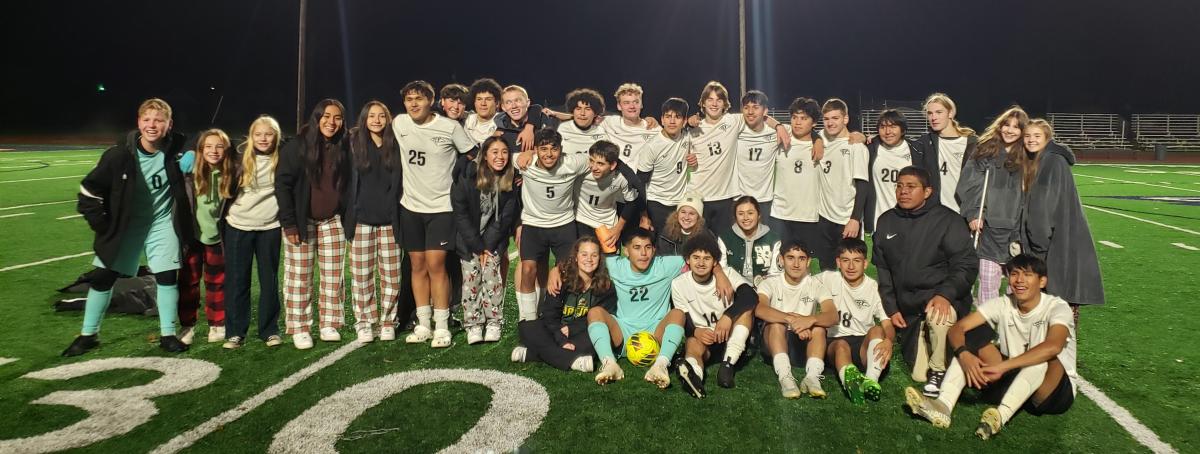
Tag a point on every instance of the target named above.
point(719, 329)
point(1031, 364)
point(795, 309)
point(856, 343)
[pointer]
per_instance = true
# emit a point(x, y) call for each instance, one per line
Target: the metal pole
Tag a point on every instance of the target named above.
point(742, 45)
point(300, 67)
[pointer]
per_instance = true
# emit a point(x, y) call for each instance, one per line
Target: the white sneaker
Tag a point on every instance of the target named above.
point(420, 335)
point(474, 335)
point(582, 363)
point(187, 334)
point(441, 338)
point(787, 387)
point(330, 334)
point(659, 375)
point(387, 333)
point(518, 354)
point(492, 334)
point(610, 372)
point(303, 341)
point(216, 333)
point(812, 385)
point(365, 335)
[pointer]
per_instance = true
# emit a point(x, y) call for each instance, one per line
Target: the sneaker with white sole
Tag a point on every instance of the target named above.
point(387, 333)
point(989, 424)
point(365, 334)
point(330, 334)
point(933, 386)
point(474, 335)
point(419, 335)
point(787, 387)
point(812, 386)
point(187, 334)
point(303, 341)
point(441, 338)
point(233, 343)
point(274, 340)
point(518, 354)
point(216, 334)
point(931, 409)
point(610, 372)
point(582, 363)
point(492, 333)
point(659, 375)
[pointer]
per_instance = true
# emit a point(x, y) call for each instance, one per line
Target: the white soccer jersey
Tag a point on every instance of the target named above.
point(666, 158)
point(597, 201)
point(950, 159)
point(1019, 332)
point(478, 128)
point(803, 299)
point(428, 154)
point(714, 145)
point(755, 162)
point(842, 164)
point(548, 196)
point(575, 140)
point(629, 139)
point(797, 183)
point(888, 163)
point(700, 301)
point(858, 308)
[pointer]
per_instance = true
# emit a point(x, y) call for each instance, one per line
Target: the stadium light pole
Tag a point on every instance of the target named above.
point(300, 67)
point(742, 46)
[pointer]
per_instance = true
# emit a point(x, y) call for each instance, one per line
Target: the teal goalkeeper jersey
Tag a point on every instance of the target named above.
point(643, 297)
point(152, 201)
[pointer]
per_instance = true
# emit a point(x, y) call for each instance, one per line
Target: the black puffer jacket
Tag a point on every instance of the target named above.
point(464, 197)
point(921, 253)
point(293, 188)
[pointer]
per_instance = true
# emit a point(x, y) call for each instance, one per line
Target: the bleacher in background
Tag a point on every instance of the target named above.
point(1089, 131)
point(1178, 132)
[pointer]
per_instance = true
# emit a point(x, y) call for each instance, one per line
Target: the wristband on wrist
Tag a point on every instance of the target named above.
point(960, 350)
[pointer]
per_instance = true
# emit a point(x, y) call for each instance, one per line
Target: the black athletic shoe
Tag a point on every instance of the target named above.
point(692, 383)
point(933, 386)
point(172, 344)
point(81, 345)
point(725, 375)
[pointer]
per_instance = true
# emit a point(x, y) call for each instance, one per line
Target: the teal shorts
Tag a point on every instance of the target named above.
point(157, 242)
point(631, 327)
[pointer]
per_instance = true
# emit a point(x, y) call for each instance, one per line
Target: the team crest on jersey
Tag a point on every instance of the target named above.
point(441, 140)
point(598, 136)
point(808, 300)
point(845, 152)
point(648, 136)
point(723, 127)
point(1039, 324)
point(861, 303)
point(907, 157)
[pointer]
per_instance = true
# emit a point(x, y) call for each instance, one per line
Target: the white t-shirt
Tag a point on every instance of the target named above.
point(575, 140)
point(950, 159)
point(478, 128)
point(666, 158)
point(597, 203)
point(888, 163)
point(797, 186)
point(804, 299)
point(1019, 332)
point(858, 308)
point(700, 301)
point(548, 196)
point(755, 167)
point(714, 145)
point(629, 139)
point(428, 152)
point(842, 164)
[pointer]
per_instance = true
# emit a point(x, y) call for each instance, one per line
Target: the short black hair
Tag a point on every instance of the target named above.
point(586, 96)
point(755, 96)
point(547, 136)
point(892, 117)
point(639, 233)
point(919, 172)
point(794, 244)
point(852, 245)
point(702, 242)
point(747, 199)
point(419, 86)
point(677, 105)
point(484, 85)
point(605, 149)
point(454, 91)
point(807, 106)
point(1026, 262)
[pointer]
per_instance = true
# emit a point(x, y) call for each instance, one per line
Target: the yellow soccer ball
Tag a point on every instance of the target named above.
point(641, 349)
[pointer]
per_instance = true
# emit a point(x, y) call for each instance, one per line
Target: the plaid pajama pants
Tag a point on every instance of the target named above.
point(209, 261)
point(326, 246)
point(482, 293)
point(990, 274)
point(375, 248)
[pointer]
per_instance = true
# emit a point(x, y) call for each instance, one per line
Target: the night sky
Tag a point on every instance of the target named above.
point(1067, 55)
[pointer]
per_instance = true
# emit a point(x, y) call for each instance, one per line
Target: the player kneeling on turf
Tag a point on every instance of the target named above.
point(795, 309)
point(856, 343)
point(719, 328)
point(1031, 365)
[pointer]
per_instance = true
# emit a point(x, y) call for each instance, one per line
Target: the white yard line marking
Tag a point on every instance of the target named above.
point(1112, 244)
point(4, 361)
point(14, 215)
point(35, 205)
point(59, 178)
point(73, 216)
point(186, 439)
point(1181, 229)
point(1140, 432)
point(1184, 246)
point(1139, 182)
point(42, 262)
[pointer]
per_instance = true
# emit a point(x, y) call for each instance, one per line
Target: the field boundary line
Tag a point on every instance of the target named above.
point(13, 215)
point(1137, 182)
point(1139, 431)
point(1181, 229)
point(60, 178)
point(43, 262)
point(35, 205)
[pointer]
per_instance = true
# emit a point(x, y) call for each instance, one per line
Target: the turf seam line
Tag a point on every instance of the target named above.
point(1181, 229)
point(36, 205)
point(1139, 431)
point(2, 216)
point(1138, 182)
point(43, 262)
point(59, 178)
point(186, 439)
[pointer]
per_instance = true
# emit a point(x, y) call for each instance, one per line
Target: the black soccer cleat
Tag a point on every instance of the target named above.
point(172, 344)
point(81, 345)
point(725, 375)
point(692, 383)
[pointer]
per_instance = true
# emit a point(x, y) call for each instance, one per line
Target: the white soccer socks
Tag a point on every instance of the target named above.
point(527, 305)
point(952, 386)
point(782, 365)
point(874, 365)
point(699, 368)
point(736, 344)
point(1028, 380)
point(814, 367)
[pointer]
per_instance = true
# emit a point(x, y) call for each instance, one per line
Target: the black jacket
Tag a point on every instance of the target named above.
point(106, 192)
point(928, 148)
point(922, 253)
point(464, 197)
point(354, 187)
point(509, 130)
point(551, 308)
point(918, 159)
point(1001, 210)
point(293, 190)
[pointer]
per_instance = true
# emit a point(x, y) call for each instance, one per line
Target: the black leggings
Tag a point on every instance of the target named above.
point(541, 345)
